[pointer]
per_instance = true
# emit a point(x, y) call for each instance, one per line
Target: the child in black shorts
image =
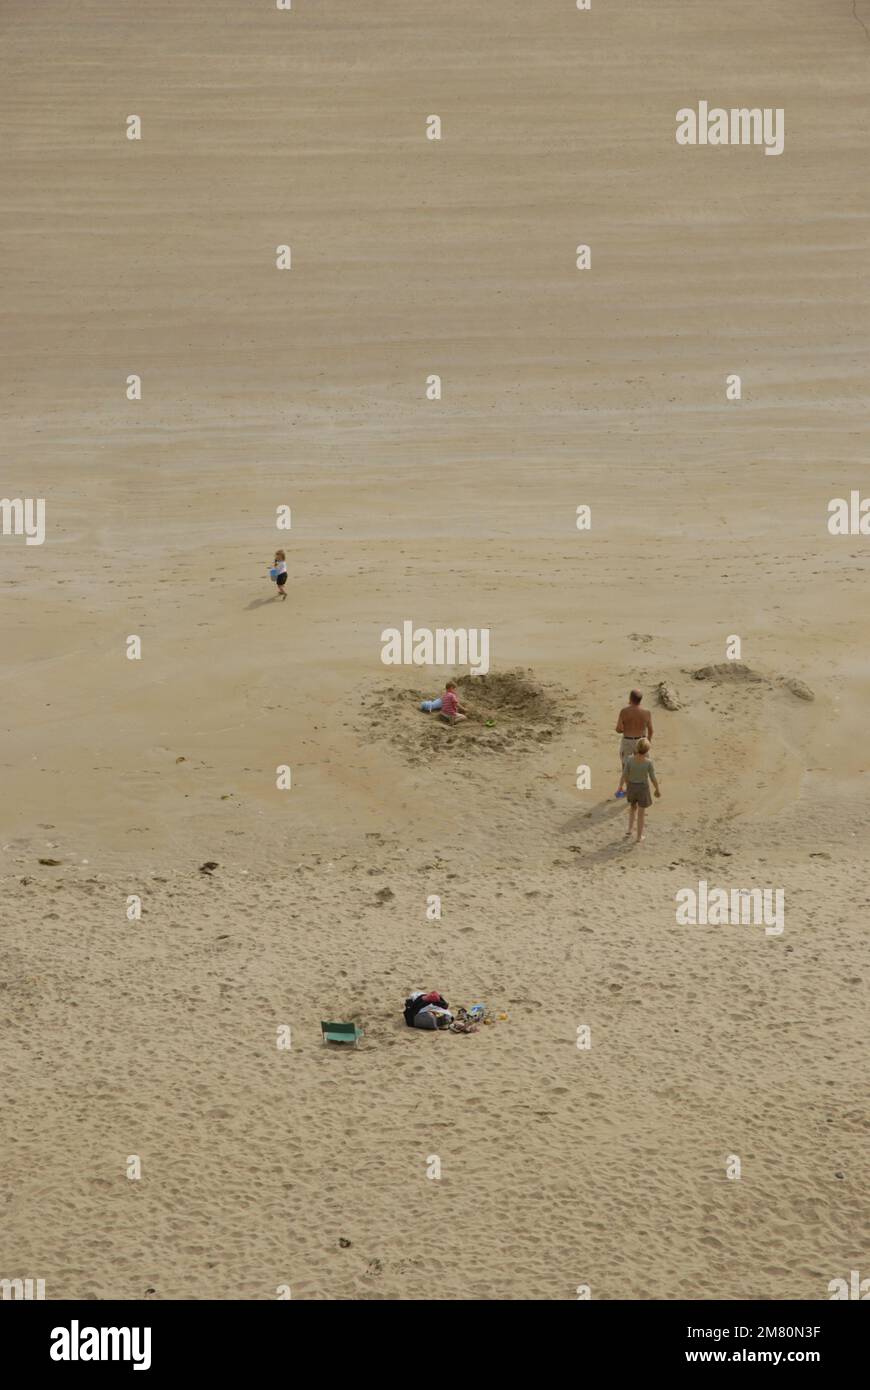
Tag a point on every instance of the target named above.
point(280, 572)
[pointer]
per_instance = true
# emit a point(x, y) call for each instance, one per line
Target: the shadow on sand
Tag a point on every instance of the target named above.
point(602, 814)
point(617, 849)
point(609, 812)
point(259, 602)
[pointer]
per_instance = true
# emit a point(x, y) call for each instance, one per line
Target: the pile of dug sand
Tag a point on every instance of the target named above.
point(727, 671)
point(509, 712)
point(739, 671)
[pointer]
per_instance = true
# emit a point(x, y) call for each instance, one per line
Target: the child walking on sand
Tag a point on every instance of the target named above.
point(279, 572)
point(451, 710)
point(638, 771)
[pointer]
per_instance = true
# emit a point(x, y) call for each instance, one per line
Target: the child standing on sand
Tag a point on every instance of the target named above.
point(280, 576)
point(451, 710)
point(638, 771)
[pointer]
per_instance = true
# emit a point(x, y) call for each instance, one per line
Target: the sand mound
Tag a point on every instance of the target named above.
point(668, 696)
point(510, 696)
point(727, 671)
point(798, 688)
point(738, 671)
point(508, 712)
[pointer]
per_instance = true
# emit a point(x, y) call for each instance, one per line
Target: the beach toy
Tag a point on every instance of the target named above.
point(429, 705)
point(273, 574)
point(477, 1012)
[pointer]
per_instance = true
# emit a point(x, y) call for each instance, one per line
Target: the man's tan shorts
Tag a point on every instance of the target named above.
point(627, 746)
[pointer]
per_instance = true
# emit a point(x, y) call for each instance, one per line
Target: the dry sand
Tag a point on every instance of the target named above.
point(157, 1038)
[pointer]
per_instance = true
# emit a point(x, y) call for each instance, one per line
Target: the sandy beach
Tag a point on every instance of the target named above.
point(561, 1166)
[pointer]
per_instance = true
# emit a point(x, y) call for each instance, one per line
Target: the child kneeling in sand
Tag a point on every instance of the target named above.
point(638, 771)
point(451, 710)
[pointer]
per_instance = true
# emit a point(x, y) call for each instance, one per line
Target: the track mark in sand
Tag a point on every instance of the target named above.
point(859, 20)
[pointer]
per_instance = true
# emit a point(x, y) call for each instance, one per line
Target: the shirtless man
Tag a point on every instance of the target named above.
point(634, 722)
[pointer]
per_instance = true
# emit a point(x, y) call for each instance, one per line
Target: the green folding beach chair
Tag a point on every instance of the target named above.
point(341, 1033)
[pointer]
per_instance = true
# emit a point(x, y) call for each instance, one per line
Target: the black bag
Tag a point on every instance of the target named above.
point(413, 1006)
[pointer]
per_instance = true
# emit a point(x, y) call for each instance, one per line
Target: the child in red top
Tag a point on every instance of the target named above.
point(452, 712)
